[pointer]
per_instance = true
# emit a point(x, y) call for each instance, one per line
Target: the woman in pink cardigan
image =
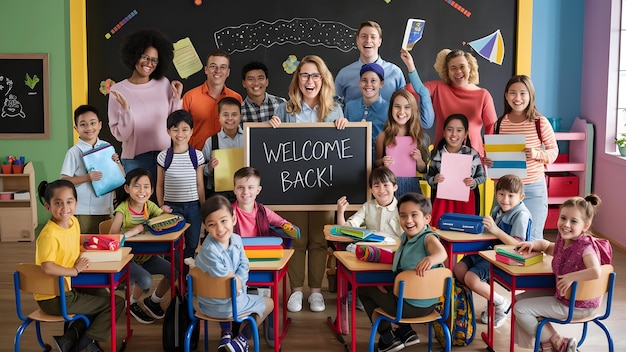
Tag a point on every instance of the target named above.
point(139, 106)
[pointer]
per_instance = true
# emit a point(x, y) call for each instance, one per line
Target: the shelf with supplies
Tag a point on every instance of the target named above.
point(18, 207)
point(571, 174)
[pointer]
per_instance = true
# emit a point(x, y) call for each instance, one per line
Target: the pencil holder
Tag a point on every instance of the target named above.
point(18, 168)
point(6, 169)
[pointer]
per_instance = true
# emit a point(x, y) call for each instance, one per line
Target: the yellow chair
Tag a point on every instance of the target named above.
point(30, 278)
point(105, 226)
point(407, 285)
point(202, 284)
point(582, 291)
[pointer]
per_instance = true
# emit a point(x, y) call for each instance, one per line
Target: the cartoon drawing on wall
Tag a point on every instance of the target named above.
point(11, 107)
point(459, 8)
point(290, 64)
point(309, 31)
point(490, 47)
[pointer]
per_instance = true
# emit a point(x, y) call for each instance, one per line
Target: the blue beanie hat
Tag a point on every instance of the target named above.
point(374, 67)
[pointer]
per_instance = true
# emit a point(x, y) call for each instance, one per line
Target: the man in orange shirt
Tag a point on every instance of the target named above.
point(201, 101)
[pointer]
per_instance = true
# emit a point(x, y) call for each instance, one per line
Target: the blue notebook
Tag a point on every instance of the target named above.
point(100, 159)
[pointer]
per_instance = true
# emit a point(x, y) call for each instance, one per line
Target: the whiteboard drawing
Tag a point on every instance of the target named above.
point(11, 107)
point(309, 31)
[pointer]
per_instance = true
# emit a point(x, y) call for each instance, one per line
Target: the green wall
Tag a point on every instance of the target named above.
point(42, 26)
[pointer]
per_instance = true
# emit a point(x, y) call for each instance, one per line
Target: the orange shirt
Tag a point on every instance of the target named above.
point(203, 108)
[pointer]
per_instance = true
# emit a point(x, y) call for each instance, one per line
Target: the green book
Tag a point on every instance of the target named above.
point(511, 252)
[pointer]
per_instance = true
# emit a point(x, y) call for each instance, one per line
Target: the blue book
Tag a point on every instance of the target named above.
point(100, 159)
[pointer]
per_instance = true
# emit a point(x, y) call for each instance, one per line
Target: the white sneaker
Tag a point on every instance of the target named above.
point(295, 302)
point(316, 302)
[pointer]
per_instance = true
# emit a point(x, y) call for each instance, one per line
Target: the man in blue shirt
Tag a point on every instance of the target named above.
point(368, 39)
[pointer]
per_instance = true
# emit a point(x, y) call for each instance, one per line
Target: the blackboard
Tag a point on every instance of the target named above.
point(308, 166)
point(25, 110)
point(272, 30)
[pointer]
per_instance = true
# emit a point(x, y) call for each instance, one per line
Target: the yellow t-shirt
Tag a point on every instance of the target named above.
point(58, 245)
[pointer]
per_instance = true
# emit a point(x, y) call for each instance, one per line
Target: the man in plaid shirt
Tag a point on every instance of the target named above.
point(258, 106)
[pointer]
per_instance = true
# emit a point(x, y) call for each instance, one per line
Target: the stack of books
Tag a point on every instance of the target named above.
point(509, 255)
point(263, 248)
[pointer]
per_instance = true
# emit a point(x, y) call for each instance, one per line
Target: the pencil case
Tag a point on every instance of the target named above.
point(461, 222)
point(165, 223)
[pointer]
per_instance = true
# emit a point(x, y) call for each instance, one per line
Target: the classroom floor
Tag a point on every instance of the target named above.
point(308, 330)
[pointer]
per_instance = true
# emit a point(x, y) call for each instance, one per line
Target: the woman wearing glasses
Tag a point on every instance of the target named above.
point(139, 105)
point(311, 95)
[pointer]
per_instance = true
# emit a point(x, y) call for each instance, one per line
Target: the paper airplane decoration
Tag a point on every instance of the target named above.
point(490, 47)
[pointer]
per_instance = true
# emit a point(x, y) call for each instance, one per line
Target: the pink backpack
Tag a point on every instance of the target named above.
point(604, 249)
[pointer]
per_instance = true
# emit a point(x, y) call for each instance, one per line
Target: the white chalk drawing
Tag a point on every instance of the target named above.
point(309, 31)
point(12, 107)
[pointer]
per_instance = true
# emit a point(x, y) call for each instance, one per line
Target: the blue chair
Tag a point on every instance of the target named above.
point(202, 284)
point(30, 278)
point(582, 291)
point(407, 285)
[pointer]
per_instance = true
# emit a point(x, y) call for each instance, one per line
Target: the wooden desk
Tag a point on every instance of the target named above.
point(270, 273)
point(456, 243)
point(534, 277)
point(110, 275)
point(147, 243)
point(358, 273)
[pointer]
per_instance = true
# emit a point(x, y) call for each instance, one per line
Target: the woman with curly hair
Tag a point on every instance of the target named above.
point(311, 95)
point(139, 105)
point(457, 93)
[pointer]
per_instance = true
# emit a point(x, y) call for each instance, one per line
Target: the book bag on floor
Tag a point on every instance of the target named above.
point(175, 325)
point(462, 317)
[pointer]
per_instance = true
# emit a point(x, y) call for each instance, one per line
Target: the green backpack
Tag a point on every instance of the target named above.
point(462, 315)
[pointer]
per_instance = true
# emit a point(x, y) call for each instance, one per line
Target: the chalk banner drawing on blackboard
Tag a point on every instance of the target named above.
point(309, 31)
point(23, 99)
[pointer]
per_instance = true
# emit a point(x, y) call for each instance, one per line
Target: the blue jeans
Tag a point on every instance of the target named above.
point(536, 200)
point(146, 161)
point(191, 212)
point(141, 274)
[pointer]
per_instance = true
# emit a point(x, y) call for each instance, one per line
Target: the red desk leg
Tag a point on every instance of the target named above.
point(488, 337)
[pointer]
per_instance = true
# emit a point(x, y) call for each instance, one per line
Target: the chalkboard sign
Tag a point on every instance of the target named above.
point(308, 166)
point(25, 112)
point(271, 31)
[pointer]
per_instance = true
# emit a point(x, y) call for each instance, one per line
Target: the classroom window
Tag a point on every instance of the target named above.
point(621, 97)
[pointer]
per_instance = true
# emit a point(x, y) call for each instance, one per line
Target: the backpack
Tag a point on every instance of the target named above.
point(496, 128)
point(462, 315)
point(604, 249)
point(175, 325)
point(169, 155)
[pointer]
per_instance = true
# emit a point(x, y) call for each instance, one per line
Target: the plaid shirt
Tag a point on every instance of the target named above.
point(251, 112)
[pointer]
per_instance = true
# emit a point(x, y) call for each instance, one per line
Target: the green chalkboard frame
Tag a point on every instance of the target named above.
point(359, 193)
point(33, 95)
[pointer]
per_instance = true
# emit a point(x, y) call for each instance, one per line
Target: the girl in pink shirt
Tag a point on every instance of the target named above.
point(575, 259)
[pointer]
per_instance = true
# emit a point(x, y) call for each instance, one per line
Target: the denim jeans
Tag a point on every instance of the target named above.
point(141, 274)
point(191, 212)
point(536, 200)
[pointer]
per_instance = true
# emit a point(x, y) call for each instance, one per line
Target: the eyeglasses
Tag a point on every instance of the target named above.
point(314, 76)
point(214, 67)
point(146, 58)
